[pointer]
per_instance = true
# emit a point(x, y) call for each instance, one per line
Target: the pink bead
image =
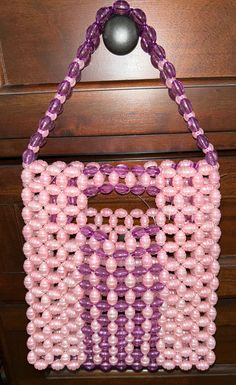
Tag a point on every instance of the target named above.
point(108, 247)
point(130, 179)
point(145, 241)
point(94, 261)
point(130, 244)
point(130, 297)
point(130, 263)
point(111, 282)
point(111, 265)
point(130, 281)
point(112, 298)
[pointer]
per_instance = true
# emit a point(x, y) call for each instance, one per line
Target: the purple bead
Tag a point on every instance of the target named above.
point(91, 191)
point(137, 366)
point(28, 156)
point(101, 253)
point(89, 365)
point(153, 170)
point(121, 333)
point(139, 305)
point(105, 355)
point(177, 88)
point(121, 344)
point(120, 272)
point(100, 235)
point(156, 316)
point(156, 329)
point(102, 288)
point(137, 189)
point(154, 338)
point(152, 367)
point(86, 317)
point(84, 269)
point(87, 231)
point(153, 248)
point(74, 70)
point(137, 342)
point(157, 53)
point(156, 267)
point(121, 320)
point(193, 124)
point(137, 355)
point(84, 52)
point(148, 38)
point(86, 285)
point(138, 16)
point(121, 306)
point(64, 88)
point(120, 253)
point(138, 332)
point(138, 318)
point(86, 249)
point(138, 252)
point(121, 188)
point(72, 200)
point(46, 124)
point(106, 169)
point(152, 229)
point(121, 366)
point(158, 286)
point(103, 14)
point(186, 106)
point(157, 302)
point(121, 289)
point(105, 366)
point(104, 345)
point(90, 170)
point(169, 70)
point(121, 7)
point(163, 77)
point(138, 232)
point(85, 303)
point(104, 306)
point(106, 188)
point(212, 158)
point(55, 106)
point(171, 94)
point(202, 142)
point(139, 289)
point(139, 270)
point(153, 354)
point(138, 170)
point(101, 272)
point(93, 33)
point(122, 169)
point(36, 139)
point(153, 191)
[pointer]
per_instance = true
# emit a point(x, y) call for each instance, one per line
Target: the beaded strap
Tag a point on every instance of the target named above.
point(158, 59)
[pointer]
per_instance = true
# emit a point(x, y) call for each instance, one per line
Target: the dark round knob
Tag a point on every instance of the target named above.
point(120, 35)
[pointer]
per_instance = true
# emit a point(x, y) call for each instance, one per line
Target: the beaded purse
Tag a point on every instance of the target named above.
point(116, 289)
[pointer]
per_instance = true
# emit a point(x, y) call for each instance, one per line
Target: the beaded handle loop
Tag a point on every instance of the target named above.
point(158, 59)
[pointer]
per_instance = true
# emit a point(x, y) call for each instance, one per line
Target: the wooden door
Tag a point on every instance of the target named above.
point(120, 110)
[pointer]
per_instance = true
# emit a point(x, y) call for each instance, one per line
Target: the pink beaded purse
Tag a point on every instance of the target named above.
point(121, 289)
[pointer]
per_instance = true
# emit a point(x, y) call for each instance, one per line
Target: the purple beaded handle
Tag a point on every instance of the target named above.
point(158, 59)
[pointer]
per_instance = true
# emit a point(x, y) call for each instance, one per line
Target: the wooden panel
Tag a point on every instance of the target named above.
point(97, 111)
point(40, 47)
point(14, 322)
